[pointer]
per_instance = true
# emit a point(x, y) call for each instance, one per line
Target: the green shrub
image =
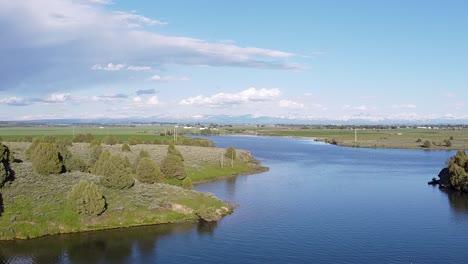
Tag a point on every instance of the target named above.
point(172, 166)
point(85, 198)
point(419, 140)
point(76, 164)
point(187, 183)
point(95, 142)
point(115, 171)
point(126, 147)
point(171, 150)
point(83, 138)
point(110, 140)
point(207, 214)
point(94, 154)
point(427, 144)
point(134, 141)
point(230, 153)
point(148, 171)
point(6, 158)
point(448, 143)
point(46, 159)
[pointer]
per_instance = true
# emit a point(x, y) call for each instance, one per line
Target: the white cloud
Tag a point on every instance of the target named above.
point(108, 67)
point(16, 101)
point(159, 78)
point(290, 104)
point(404, 106)
point(250, 95)
point(138, 68)
point(68, 36)
point(100, 2)
point(153, 100)
point(357, 107)
point(58, 98)
point(146, 101)
point(133, 20)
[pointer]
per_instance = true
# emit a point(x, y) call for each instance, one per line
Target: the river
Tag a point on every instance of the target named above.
point(319, 203)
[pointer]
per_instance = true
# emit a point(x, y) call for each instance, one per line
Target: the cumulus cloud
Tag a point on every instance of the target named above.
point(149, 101)
point(403, 106)
point(58, 98)
point(108, 67)
point(249, 95)
point(147, 91)
point(65, 36)
point(159, 78)
point(290, 104)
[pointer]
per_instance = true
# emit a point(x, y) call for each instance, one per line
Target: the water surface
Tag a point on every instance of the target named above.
point(318, 203)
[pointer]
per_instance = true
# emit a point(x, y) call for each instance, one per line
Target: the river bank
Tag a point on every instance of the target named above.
point(35, 205)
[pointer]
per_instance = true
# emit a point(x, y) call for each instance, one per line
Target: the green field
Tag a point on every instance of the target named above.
point(406, 138)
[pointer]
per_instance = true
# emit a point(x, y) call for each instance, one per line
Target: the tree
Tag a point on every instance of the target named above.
point(148, 171)
point(85, 198)
point(458, 169)
point(230, 153)
point(5, 159)
point(46, 159)
point(126, 147)
point(115, 171)
point(172, 166)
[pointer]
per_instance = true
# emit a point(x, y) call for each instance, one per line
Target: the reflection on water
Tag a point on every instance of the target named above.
point(458, 201)
point(111, 246)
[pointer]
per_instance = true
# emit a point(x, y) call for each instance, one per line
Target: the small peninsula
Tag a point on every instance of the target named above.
point(54, 186)
point(455, 175)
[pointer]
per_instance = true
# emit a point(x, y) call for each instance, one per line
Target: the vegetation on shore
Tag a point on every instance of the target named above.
point(112, 187)
point(455, 174)
point(402, 138)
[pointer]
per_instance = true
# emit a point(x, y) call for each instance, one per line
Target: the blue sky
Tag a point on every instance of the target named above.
point(298, 60)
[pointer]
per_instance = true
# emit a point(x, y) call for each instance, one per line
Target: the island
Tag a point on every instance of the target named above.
point(55, 185)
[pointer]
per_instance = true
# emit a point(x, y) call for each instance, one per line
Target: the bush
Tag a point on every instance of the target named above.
point(171, 150)
point(85, 198)
point(419, 140)
point(187, 183)
point(448, 143)
point(230, 153)
point(427, 144)
point(94, 155)
point(76, 164)
point(46, 159)
point(5, 159)
point(115, 171)
point(134, 141)
point(83, 138)
point(95, 142)
point(172, 166)
point(148, 171)
point(451, 137)
point(126, 147)
point(110, 140)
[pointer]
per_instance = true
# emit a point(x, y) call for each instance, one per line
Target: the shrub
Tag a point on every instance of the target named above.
point(83, 138)
point(448, 143)
point(76, 164)
point(95, 142)
point(458, 169)
point(141, 155)
point(187, 183)
point(46, 159)
point(172, 166)
point(134, 141)
point(230, 153)
point(208, 214)
point(427, 144)
point(419, 140)
point(171, 150)
point(451, 137)
point(94, 155)
point(148, 171)
point(85, 198)
point(110, 140)
point(126, 147)
point(115, 171)
point(5, 159)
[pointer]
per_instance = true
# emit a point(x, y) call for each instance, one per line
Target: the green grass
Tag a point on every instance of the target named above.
point(35, 205)
point(378, 138)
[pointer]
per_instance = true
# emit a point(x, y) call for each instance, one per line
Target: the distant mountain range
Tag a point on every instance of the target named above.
point(249, 119)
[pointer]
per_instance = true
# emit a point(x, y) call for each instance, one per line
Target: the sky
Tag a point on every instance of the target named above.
point(294, 60)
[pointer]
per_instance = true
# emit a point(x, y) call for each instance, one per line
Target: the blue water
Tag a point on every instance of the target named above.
point(318, 203)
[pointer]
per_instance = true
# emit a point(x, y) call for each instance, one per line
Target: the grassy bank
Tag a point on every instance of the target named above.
point(35, 205)
point(410, 138)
